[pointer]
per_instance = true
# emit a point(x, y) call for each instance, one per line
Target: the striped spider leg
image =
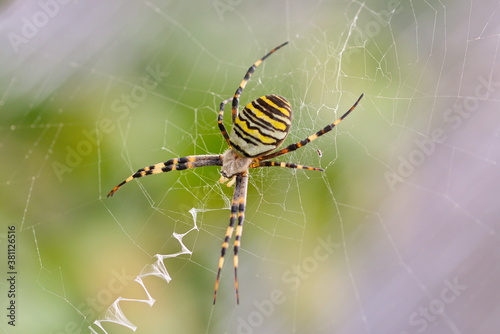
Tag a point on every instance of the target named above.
point(183, 163)
point(257, 131)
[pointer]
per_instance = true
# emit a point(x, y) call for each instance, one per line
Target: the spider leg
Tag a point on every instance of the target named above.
point(236, 97)
point(237, 214)
point(220, 120)
point(188, 162)
point(282, 164)
point(243, 180)
point(239, 90)
point(326, 129)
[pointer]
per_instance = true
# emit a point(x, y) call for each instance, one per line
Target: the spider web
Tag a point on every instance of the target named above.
point(398, 235)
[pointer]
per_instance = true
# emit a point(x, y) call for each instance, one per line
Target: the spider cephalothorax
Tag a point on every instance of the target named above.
point(257, 132)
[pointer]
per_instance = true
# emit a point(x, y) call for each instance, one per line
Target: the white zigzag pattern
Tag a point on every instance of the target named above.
point(114, 313)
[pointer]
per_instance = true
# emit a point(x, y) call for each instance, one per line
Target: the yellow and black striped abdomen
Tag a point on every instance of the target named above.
point(261, 126)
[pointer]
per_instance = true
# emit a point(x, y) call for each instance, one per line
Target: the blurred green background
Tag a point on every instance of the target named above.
point(92, 91)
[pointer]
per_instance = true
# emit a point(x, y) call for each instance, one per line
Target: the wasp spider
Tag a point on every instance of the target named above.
point(257, 131)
